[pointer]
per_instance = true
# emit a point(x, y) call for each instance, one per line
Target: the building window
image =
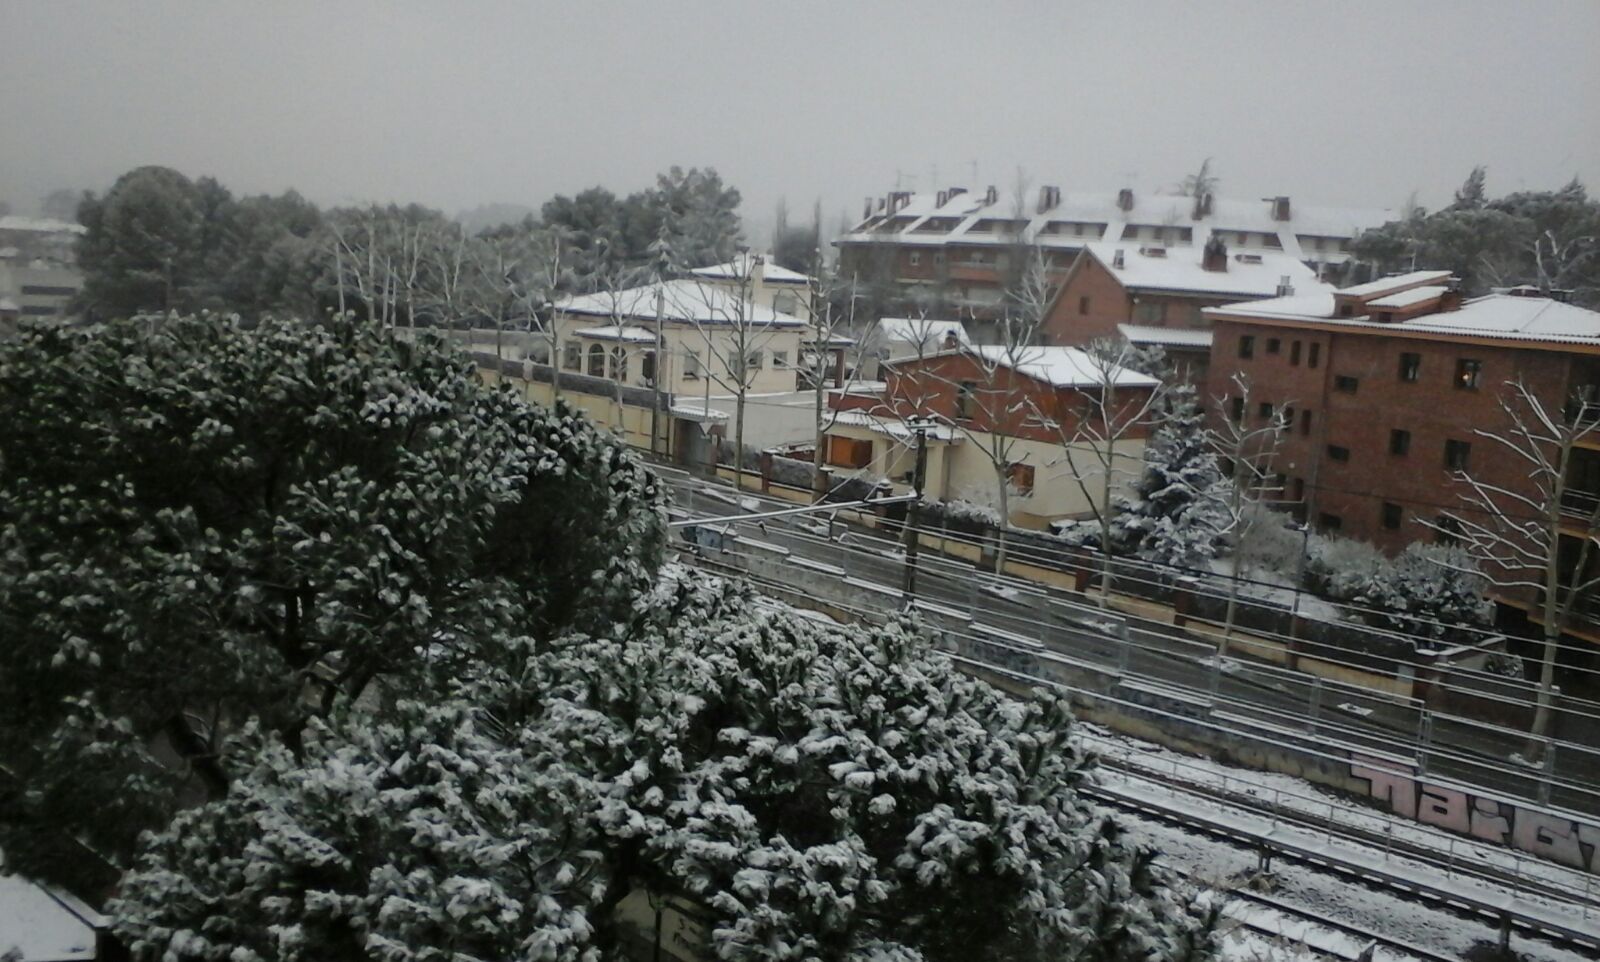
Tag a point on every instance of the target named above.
point(785, 303)
point(38, 310)
point(1399, 441)
point(572, 356)
point(1153, 313)
point(691, 365)
point(1305, 422)
point(1299, 489)
point(1273, 344)
point(1346, 384)
point(45, 290)
point(1237, 405)
point(1338, 453)
point(1288, 417)
point(1019, 477)
point(780, 359)
point(1329, 522)
point(1468, 374)
point(755, 361)
point(966, 399)
point(1264, 410)
point(1447, 530)
point(1391, 516)
point(915, 258)
point(1410, 367)
point(619, 364)
point(597, 361)
point(849, 453)
point(1315, 353)
point(647, 366)
point(1456, 454)
point(1247, 346)
point(1083, 304)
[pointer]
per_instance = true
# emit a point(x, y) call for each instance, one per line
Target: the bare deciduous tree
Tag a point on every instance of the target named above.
point(1248, 448)
point(1516, 532)
point(1092, 439)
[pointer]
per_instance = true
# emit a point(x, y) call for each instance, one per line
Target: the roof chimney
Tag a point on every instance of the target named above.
point(866, 210)
point(1280, 208)
point(1214, 256)
point(950, 341)
point(1048, 197)
point(944, 195)
point(991, 195)
point(1202, 205)
point(1117, 260)
point(1285, 288)
point(956, 191)
point(1125, 199)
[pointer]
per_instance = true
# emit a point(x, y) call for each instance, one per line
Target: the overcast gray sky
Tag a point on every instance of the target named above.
point(457, 104)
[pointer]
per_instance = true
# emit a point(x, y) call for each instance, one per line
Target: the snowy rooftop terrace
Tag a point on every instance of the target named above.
point(1506, 316)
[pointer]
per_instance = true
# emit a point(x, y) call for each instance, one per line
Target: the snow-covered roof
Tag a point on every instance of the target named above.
point(1178, 270)
point(922, 220)
point(1408, 298)
point(612, 332)
point(681, 301)
point(1493, 315)
point(44, 925)
point(743, 266)
point(1166, 336)
point(43, 225)
point(1061, 366)
point(696, 411)
point(1395, 282)
point(892, 425)
point(925, 332)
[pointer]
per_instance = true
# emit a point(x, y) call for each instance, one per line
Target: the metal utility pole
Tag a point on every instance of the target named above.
point(655, 375)
point(913, 512)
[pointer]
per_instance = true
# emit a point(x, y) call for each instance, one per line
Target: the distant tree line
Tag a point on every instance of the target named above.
point(161, 241)
point(1549, 239)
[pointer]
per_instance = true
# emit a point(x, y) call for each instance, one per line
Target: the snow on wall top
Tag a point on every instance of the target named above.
point(1178, 270)
point(743, 266)
point(612, 332)
point(43, 225)
point(681, 301)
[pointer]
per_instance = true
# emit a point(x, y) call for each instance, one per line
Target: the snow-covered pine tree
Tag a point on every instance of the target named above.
point(1176, 511)
point(844, 792)
point(201, 524)
point(819, 791)
point(424, 837)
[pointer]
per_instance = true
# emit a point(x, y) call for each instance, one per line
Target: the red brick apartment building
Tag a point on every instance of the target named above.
point(1388, 382)
point(965, 243)
point(1156, 295)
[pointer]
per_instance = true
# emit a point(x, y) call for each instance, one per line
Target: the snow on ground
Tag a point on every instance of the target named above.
point(1422, 924)
point(1299, 796)
point(1274, 588)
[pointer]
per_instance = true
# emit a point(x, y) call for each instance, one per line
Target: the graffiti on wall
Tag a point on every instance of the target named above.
point(1533, 830)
